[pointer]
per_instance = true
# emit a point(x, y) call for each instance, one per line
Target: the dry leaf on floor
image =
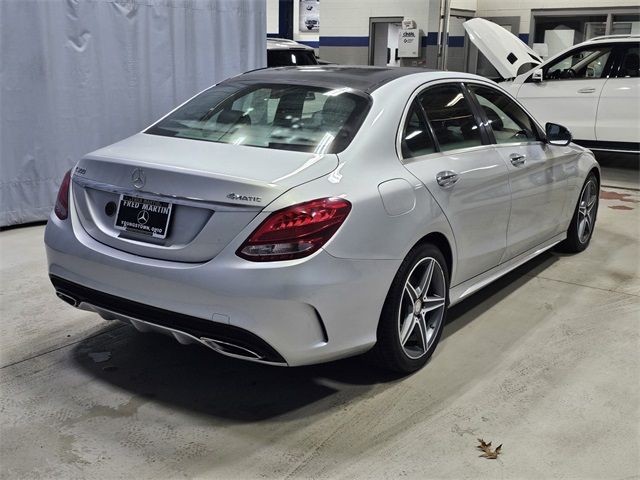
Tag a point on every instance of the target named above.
point(486, 449)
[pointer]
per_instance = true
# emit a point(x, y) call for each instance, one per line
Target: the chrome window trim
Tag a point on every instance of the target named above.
point(465, 81)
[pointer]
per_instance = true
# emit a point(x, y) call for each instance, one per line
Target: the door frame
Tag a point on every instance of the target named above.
point(372, 22)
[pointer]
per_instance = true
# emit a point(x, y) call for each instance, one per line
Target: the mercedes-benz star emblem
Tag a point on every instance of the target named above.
point(138, 178)
point(143, 217)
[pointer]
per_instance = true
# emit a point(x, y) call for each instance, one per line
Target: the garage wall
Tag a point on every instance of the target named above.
point(273, 26)
point(522, 8)
point(344, 30)
point(79, 75)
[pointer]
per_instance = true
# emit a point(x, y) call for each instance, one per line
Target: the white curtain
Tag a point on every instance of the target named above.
point(76, 75)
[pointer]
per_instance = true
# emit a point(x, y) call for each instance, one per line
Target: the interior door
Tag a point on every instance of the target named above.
point(537, 172)
point(464, 174)
point(570, 91)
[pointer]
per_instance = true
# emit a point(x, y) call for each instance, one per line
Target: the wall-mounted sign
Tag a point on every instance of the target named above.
point(309, 16)
point(409, 43)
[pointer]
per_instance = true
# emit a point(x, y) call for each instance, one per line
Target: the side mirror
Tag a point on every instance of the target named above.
point(538, 75)
point(557, 134)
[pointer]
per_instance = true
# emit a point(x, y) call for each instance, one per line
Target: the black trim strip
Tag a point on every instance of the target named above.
point(631, 147)
point(197, 327)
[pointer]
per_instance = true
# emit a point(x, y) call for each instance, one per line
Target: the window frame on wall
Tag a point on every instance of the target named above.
point(573, 14)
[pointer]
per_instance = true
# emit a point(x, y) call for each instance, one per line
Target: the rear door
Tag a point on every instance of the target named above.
point(443, 144)
point(618, 118)
point(571, 88)
point(537, 171)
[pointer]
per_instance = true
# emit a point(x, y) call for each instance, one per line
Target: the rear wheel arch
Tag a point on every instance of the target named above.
point(440, 241)
point(595, 172)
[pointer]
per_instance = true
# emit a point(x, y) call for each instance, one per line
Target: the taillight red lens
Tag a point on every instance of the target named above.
point(62, 202)
point(296, 231)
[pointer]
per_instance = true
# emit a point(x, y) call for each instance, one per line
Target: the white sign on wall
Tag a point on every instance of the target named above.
point(409, 43)
point(309, 16)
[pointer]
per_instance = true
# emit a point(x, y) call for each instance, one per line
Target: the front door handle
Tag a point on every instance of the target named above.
point(587, 90)
point(517, 159)
point(447, 178)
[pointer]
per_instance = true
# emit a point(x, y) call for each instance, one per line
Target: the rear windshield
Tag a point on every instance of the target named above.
point(286, 58)
point(287, 117)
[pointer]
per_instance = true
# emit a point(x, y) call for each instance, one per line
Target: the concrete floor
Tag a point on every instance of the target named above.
point(546, 361)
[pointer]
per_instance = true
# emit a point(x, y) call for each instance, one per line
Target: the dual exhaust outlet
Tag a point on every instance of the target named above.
point(223, 347)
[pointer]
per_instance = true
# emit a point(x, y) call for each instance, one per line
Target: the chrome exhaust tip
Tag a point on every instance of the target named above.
point(231, 349)
point(67, 298)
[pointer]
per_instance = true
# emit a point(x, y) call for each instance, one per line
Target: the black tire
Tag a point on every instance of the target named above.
point(577, 240)
point(389, 352)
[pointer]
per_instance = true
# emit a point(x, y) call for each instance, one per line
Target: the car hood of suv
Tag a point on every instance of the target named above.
point(506, 52)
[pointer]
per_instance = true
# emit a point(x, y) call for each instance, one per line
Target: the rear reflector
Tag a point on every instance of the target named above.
point(296, 231)
point(62, 202)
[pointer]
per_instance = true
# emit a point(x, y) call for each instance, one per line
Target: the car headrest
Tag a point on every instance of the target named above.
point(289, 108)
point(229, 116)
point(336, 110)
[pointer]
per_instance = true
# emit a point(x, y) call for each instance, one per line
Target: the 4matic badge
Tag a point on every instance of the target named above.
point(244, 198)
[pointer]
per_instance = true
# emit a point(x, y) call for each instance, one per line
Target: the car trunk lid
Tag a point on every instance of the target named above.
point(199, 194)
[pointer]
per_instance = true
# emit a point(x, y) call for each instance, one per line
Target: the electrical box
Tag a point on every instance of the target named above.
point(409, 43)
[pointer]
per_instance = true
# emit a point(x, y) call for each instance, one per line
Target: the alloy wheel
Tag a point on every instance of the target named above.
point(587, 211)
point(422, 307)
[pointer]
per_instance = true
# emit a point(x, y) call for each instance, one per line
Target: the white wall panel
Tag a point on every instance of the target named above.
point(340, 18)
point(272, 16)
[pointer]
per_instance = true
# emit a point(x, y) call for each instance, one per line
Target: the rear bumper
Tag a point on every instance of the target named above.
point(226, 339)
point(297, 312)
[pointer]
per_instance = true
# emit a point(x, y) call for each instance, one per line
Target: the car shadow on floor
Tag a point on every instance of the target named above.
point(156, 368)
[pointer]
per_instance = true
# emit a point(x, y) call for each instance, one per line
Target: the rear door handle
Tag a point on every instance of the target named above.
point(446, 178)
point(587, 90)
point(517, 159)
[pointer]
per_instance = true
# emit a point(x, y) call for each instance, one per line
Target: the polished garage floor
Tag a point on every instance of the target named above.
point(546, 361)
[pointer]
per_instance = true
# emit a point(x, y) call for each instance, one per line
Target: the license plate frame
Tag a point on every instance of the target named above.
point(154, 223)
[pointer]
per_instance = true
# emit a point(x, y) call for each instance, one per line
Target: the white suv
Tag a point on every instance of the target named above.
point(592, 88)
point(282, 52)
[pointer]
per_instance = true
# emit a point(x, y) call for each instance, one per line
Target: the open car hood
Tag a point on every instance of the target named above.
point(506, 52)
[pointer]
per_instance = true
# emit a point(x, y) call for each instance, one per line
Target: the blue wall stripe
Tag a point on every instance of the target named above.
point(456, 41)
point(430, 39)
point(344, 41)
point(273, 35)
point(309, 43)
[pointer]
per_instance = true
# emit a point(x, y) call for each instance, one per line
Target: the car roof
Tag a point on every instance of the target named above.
point(363, 78)
point(285, 44)
point(617, 38)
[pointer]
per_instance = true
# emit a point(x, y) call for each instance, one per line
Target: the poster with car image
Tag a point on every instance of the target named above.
point(309, 16)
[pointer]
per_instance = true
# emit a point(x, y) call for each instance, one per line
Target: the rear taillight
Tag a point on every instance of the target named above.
point(62, 202)
point(296, 231)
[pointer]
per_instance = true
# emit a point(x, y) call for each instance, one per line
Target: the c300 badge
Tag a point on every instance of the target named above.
point(244, 198)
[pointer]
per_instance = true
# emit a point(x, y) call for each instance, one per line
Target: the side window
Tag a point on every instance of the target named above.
point(451, 117)
point(416, 138)
point(630, 63)
point(588, 62)
point(508, 121)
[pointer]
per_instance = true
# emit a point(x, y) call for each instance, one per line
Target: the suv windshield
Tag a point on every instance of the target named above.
point(289, 117)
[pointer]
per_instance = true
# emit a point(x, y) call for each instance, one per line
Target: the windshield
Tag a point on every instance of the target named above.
point(288, 117)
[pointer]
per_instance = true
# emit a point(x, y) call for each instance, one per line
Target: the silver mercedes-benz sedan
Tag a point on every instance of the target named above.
point(298, 215)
